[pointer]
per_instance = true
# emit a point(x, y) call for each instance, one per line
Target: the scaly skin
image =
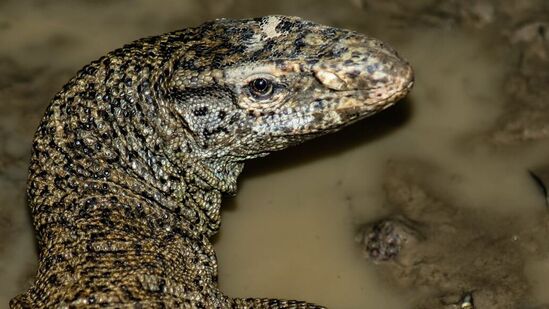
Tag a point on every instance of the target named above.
point(132, 157)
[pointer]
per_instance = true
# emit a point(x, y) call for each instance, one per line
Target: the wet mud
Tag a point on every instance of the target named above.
point(439, 202)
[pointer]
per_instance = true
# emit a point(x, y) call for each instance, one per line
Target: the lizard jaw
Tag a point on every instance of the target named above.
point(340, 108)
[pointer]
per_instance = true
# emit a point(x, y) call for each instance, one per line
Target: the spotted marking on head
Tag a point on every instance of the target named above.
point(269, 27)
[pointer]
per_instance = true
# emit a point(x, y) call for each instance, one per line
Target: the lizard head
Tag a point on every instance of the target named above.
point(259, 85)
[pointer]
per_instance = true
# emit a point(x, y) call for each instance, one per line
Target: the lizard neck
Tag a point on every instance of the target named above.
point(115, 178)
point(122, 139)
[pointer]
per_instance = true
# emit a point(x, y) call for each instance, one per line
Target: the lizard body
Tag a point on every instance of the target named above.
point(133, 155)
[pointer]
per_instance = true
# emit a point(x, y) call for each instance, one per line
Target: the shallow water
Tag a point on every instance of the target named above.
point(289, 232)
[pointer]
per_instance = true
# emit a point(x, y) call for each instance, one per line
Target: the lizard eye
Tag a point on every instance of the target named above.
point(261, 88)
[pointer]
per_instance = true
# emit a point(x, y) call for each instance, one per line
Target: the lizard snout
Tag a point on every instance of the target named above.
point(365, 66)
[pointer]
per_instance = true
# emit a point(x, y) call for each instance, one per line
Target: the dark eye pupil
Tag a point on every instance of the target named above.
point(261, 86)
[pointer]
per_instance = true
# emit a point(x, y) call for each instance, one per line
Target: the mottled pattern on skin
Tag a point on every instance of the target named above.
point(132, 157)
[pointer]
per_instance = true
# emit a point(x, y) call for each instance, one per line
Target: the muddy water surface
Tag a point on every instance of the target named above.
point(290, 231)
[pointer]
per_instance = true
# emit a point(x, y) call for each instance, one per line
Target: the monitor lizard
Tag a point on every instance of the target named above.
point(133, 155)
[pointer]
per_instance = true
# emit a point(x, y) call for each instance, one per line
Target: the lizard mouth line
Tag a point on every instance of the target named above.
point(353, 111)
point(367, 97)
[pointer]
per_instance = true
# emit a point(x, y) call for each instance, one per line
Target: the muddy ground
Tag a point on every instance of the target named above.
point(439, 202)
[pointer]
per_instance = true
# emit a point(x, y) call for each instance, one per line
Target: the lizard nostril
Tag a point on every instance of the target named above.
point(330, 80)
